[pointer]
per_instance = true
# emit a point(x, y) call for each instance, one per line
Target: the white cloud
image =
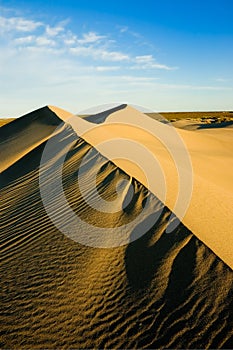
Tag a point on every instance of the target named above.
point(113, 56)
point(81, 51)
point(18, 24)
point(54, 31)
point(99, 53)
point(161, 66)
point(221, 80)
point(144, 59)
point(35, 40)
point(25, 40)
point(44, 41)
point(123, 29)
point(148, 62)
point(90, 37)
point(107, 68)
point(194, 87)
point(39, 51)
point(137, 81)
point(69, 38)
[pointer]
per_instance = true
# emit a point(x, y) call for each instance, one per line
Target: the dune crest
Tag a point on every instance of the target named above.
point(61, 113)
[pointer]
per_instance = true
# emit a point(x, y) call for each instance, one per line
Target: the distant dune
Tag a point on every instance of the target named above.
point(162, 290)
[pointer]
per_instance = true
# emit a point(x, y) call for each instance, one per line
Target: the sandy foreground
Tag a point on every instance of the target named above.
point(141, 287)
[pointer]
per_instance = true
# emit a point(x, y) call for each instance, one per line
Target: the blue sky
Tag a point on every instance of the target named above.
point(169, 55)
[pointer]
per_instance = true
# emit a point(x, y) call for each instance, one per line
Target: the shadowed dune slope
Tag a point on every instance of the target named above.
point(160, 291)
point(24, 134)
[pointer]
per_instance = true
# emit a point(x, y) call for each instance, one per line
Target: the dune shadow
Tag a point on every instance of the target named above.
point(101, 117)
point(215, 125)
point(43, 116)
point(31, 161)
point(181, 275)
point(144, 256)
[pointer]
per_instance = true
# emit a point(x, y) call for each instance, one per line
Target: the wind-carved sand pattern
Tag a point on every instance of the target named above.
point(162, 290)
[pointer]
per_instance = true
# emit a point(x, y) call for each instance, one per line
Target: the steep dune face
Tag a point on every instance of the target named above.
point(24, 134)
point(159, 291)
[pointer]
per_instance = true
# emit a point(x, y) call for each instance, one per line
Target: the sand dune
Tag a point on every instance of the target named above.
point(160, 291)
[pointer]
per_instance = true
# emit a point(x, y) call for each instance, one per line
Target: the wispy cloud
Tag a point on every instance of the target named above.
point(99, 53)
point(107, 68)
point(137, 81)
point(44, 61)
point(33, 40)
point(123, 29)
point(18, 24)
point(221, 80)
point(25, 40)
point(194, 87)
point(54, 31)
point(113, 56)
point(148, 62)
point(90, 37)
point(69, 38)
point(59, 38)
